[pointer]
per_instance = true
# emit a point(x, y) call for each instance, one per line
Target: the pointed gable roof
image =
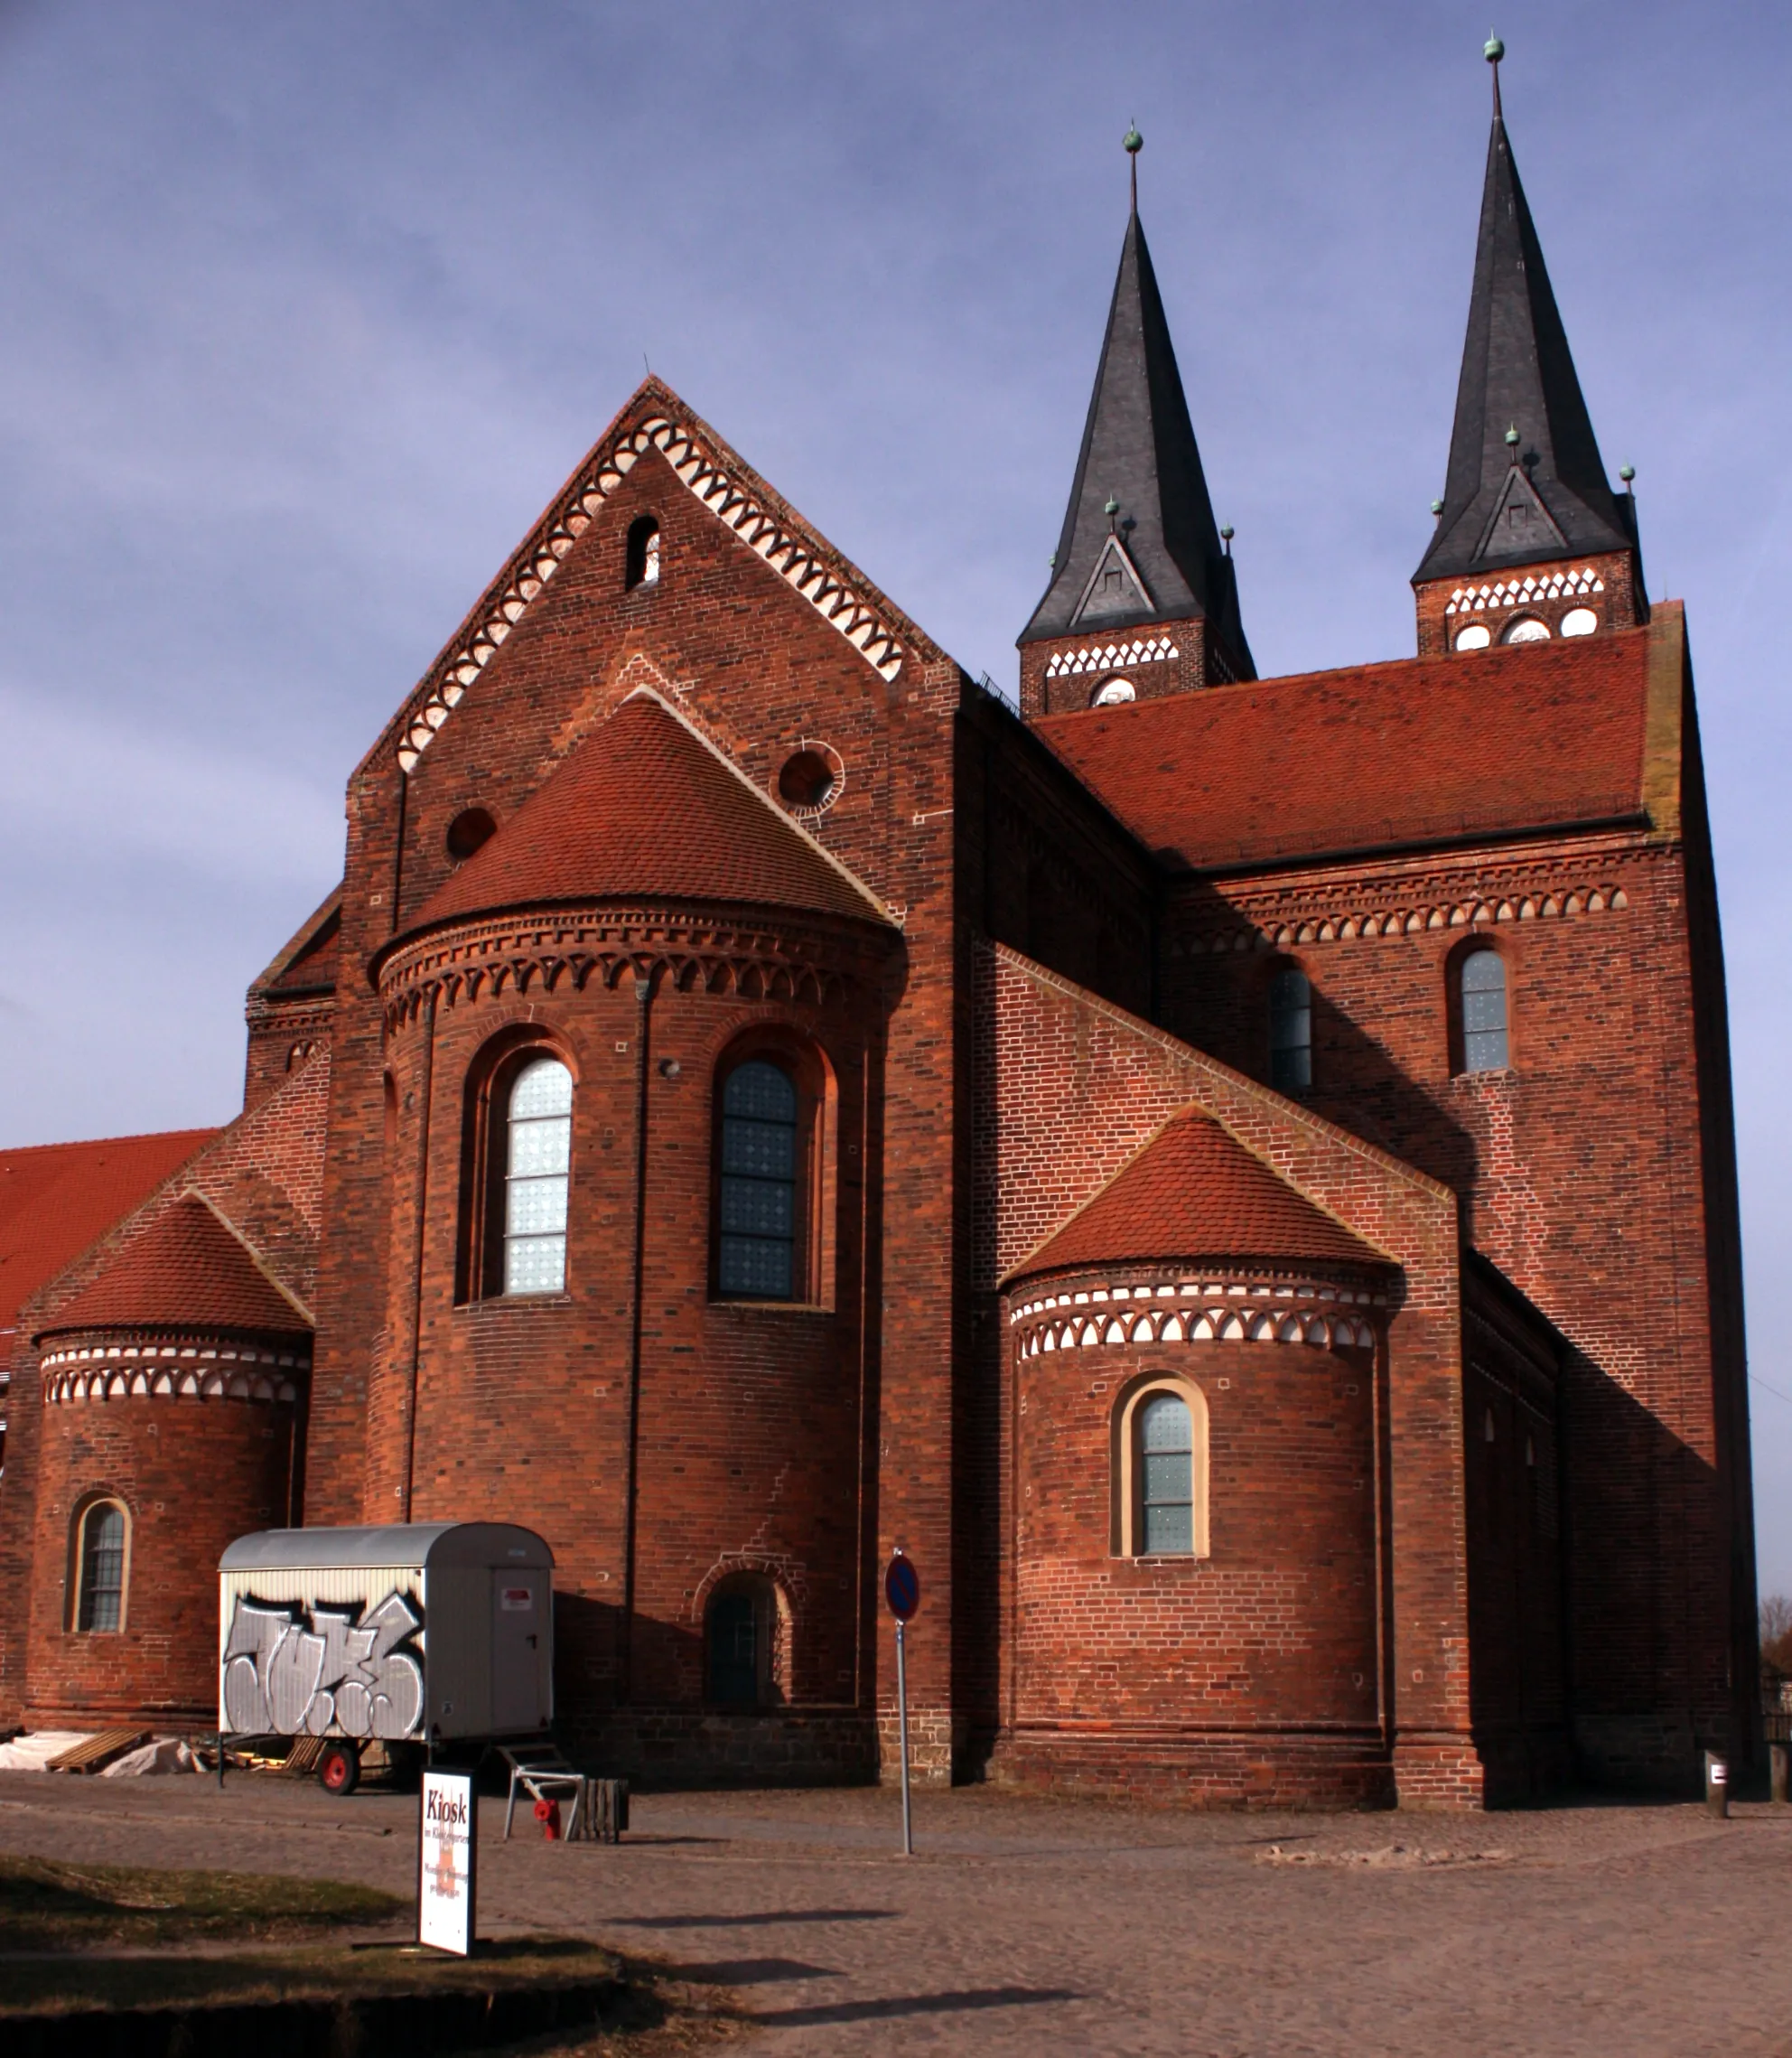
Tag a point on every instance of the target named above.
point(1139, 449)
point(1195, 1191)
point(185, 1267)
point(644, 805)
point(1518, 373)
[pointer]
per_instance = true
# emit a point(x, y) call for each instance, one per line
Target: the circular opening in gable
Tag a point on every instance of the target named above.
point(470, 828)
point(807, 779)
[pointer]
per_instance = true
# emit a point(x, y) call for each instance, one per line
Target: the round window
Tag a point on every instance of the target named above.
point(1529, 630)
point(470, 828)
point(1579, 622)
point(1114, 692)
point(810, 780)
point(1475, 637)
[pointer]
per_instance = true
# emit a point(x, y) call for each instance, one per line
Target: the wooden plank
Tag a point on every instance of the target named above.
point(96, 1752)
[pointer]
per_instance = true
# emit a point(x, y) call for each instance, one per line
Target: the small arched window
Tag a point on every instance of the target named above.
point(759, 1214)
point(538, 1152)
point(642, 564)
point(1482, 999)
point(1291, 1033)
point(100, 1574)
point(1166, 1476)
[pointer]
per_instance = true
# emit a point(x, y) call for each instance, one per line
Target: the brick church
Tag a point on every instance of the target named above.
point(1233, 1175)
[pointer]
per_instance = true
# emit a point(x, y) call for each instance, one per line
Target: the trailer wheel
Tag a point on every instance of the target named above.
point(339, 1770)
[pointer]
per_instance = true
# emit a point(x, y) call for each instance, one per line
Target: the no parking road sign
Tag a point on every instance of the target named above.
point(903, 1587)
point(902, 1590)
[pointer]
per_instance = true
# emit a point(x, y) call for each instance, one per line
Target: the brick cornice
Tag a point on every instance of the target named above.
point(751, 952)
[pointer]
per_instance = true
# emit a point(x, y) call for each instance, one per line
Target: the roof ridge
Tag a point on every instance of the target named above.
point(95, 1142)
point(243, 1243)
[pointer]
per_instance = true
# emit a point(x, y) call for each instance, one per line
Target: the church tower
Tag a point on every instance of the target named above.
point(1531, 541)
point(1143, 600)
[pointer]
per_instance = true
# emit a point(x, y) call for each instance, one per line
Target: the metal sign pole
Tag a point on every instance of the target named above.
point(902, 1724)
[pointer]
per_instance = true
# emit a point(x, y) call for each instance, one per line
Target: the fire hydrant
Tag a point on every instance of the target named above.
point(548, 1813)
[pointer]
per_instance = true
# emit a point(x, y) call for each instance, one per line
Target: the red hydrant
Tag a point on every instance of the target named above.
point(548, 1813)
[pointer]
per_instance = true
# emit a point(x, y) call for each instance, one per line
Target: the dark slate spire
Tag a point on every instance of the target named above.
point(1527, 484)
point(1140, 544)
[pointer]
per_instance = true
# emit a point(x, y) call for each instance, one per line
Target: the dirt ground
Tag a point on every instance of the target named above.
point(1025, 1926)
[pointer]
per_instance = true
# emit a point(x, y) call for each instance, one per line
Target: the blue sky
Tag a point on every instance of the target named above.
point(307, 311)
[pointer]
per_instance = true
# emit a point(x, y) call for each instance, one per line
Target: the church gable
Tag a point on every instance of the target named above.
point(1115, 593)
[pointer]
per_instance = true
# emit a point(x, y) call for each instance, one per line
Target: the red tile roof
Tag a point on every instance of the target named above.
point(644, 806)
point(1427, 750)
point(1194, 1192)
point(55, 1199)
point(315, 966)
point(182, 1268)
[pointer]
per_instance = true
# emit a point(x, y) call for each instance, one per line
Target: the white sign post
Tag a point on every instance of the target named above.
point(447, 1857)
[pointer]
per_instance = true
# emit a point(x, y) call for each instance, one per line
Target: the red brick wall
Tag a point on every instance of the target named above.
point(264, 1173)
point(194, 1474)
point(726, 638)
point(1618, 603)
point(1597, 1175)
point(1071, 1088)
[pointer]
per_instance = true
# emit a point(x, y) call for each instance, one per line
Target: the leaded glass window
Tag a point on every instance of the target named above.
point(1291, 1033)
point(1483, 990)
point(538, 1161)
point(1166, 1477)
point(758, 1255)
point(102, 1591)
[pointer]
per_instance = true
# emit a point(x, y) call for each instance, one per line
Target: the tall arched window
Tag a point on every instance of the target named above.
point(100, 1574)
point(1161, 1469)
point(1481, 1001)
point(643, 553)
point(538, 1149)
point(760, 1214)
point(1166, 1477)
point(1291, 1033)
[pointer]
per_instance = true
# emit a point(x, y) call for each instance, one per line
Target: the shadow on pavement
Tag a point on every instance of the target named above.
point(915, 2005)
point(770, 1919)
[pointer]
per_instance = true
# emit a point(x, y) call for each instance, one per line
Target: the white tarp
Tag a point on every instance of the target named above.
point(32, 1753)
point(164, 1754)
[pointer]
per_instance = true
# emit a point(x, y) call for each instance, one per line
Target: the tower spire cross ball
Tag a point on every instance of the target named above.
point(1131, 143)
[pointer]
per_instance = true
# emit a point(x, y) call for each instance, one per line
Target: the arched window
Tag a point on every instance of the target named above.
point(1161, 1470)
point(100, 1572)
point(1166, 1477)
point(643, 553)
point(539, 1148)
point(1481, 1001)
point(761, 1216)
point(1291, 1033)
point(742, 1624)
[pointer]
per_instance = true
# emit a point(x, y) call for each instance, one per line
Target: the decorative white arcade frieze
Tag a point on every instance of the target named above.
point(1515, 592)
point(170, 1371)
point(1104, 658)
point(1194, 1311)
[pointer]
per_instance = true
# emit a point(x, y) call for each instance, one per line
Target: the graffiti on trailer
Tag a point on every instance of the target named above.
point(290, 1670)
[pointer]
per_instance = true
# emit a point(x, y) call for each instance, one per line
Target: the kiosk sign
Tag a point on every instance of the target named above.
point(447, 1849)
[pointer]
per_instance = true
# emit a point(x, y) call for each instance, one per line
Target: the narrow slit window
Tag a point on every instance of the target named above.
point(1291, 1033)
point(735, 1654)
point(1166, 1477)
point(537, 1164)
point(102, 1553)
point(757, 1260)
point(643, 553)
point(1485, 1046)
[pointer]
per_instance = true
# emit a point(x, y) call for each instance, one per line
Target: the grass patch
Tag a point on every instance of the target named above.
point(45, 1905)
point(53, 1985)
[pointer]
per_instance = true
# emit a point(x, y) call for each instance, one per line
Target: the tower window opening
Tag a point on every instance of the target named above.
point(643, 553)
point(1528, 631)
point(1115, 692)
point(100, 1603)
point(1481, 1000)
point(536, 1168)
point(1475, 637)
point(1291, 1033)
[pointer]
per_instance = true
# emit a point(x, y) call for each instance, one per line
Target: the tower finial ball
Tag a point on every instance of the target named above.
point(1134, 142)
point(1626, 473)
point(1493, 49)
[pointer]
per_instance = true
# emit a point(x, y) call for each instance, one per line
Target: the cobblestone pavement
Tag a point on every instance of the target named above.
point(1028, 1926)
